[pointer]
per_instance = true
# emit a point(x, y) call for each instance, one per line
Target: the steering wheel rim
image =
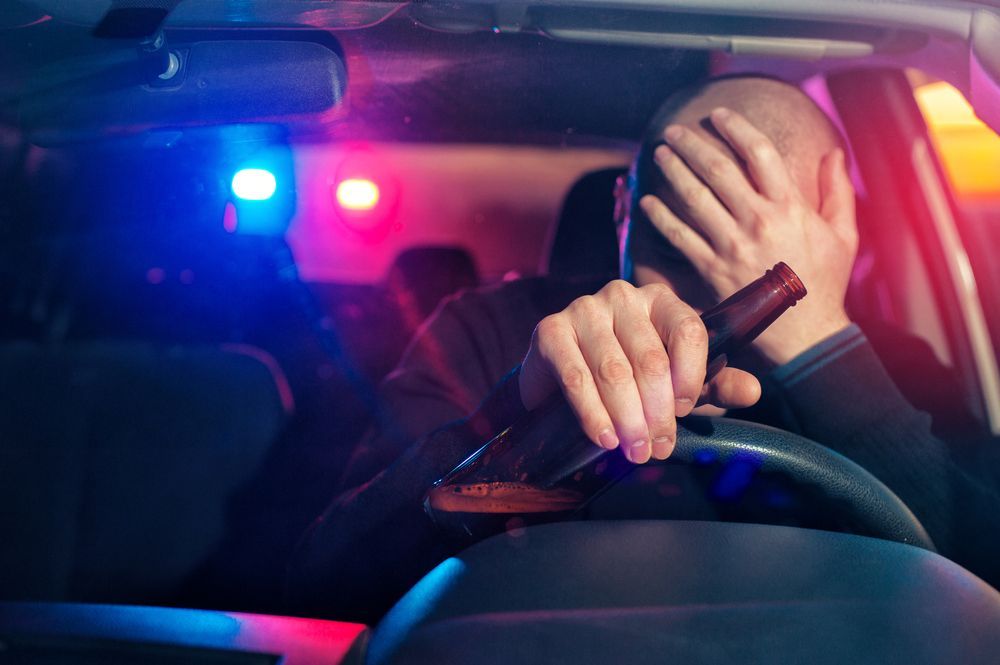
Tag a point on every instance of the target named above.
point(865, 501)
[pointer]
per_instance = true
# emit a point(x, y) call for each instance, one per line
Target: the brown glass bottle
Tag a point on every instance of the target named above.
point(544, 468)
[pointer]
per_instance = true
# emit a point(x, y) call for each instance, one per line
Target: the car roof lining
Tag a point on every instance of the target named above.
point(956, 41)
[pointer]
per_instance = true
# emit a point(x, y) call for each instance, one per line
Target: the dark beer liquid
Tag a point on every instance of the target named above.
point(544, 468)
point(481, 509)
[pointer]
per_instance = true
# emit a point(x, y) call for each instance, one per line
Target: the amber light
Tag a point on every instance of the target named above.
point(969, 149)
point(357, 194)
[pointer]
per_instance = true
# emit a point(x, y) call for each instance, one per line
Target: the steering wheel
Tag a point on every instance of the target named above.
point(871, 507)
point(700, 591)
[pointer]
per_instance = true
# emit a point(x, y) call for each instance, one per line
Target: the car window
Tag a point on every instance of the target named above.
point(970, 152)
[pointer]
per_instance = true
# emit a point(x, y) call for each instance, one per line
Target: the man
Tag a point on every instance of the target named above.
point(732, 177)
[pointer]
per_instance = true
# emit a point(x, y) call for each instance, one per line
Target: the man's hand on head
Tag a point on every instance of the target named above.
point(732, 227)
point(629, 362)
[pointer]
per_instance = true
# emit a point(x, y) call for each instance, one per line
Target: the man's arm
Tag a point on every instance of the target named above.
point(841, 396)
point(375, 540)
point(835, 385)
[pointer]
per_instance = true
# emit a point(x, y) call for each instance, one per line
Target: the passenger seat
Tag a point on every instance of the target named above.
point(118, 460)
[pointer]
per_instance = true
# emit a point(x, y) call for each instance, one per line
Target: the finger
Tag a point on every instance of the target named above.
point(702, 208)
point(651, 368)
point(686, 339)
point(558, 346)
point(687, 241)
point(837, 197)
point(731, 389)
point(716, 169)
point(615, 382)
point(766, 165)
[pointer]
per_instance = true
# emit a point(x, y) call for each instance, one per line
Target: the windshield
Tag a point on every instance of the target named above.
point(253, 254)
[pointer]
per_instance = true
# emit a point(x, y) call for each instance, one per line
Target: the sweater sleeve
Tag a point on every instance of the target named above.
point(451, 393)
point(375, 541)
point(841, 396)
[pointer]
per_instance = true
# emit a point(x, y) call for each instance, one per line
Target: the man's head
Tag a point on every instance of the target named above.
point(799, 129)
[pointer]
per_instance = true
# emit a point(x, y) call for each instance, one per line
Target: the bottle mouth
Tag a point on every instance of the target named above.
point(791, 280)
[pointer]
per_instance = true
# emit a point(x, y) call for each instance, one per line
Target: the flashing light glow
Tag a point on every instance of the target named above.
point(155, 275)
point(357, 194)
point(969, 149)
point(229, 220)
point(254, 184)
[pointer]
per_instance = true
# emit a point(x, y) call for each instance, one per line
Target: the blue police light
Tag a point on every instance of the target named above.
point(254, 184)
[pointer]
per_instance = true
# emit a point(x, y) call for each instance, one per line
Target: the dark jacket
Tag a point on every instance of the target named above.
point(456, 387)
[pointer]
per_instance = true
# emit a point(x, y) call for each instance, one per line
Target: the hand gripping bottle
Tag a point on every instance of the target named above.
point(544, 468)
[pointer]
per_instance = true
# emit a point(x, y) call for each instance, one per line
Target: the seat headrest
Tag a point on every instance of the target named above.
point(426, 275)
point(584, 243)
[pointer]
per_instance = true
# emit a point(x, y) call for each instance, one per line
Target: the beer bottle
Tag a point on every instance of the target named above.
point(544, 468)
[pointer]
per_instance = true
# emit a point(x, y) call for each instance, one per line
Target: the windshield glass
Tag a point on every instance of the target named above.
point(256, 256)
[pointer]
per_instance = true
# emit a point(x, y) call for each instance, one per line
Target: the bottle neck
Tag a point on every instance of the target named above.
point(739, 319)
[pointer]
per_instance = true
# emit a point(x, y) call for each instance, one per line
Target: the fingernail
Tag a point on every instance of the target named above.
point(637, 451)
point(661, 153)
point(682, 406)
point(608, 439)
point(663, 442)
point(674, 132)
point(721, 113)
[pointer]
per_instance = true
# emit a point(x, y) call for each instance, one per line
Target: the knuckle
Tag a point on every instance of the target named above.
point(691, 330)
point(548, 327)
point(656, 290)
point(659, 295)
point(549, 337)
point(760, 149)
point(653, 362)
point(721, 264)
point(618, 289)
point(586, 307)
point(758, 219)
point(675, 234)
point(614, 371)
point(717, 169)
point(795, 208)
point(573, 378)
point(736, 253)
point(692, 195)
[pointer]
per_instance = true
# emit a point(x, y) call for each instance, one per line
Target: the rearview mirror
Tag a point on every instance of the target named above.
point(206, 80)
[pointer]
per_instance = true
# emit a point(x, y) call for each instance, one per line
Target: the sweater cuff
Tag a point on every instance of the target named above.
point(816, 357)
point(839, 387)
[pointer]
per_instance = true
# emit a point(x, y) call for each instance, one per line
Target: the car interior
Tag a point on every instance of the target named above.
point(188, 358)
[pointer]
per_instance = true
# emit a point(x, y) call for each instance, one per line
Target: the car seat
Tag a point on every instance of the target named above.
point(584, 241)
point(118, 460)
point(421, 277)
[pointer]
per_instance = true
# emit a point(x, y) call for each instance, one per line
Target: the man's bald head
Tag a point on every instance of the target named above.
point(799, 129)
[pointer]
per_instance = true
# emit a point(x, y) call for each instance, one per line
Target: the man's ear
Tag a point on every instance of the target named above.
point(623, 202)
point(622, 218)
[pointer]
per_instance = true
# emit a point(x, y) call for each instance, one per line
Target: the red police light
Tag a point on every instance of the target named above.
point(357, 194)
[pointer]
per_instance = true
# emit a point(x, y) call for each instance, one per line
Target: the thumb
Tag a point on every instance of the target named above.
point(731, 388)
point(837, 197)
